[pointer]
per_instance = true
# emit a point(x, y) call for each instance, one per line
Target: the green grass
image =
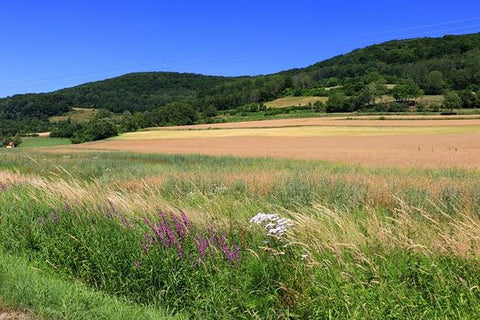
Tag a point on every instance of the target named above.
point(34, 142)
point(379, 242)
point(47, 296)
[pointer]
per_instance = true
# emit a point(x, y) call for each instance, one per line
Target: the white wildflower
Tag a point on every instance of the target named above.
point(273, 224)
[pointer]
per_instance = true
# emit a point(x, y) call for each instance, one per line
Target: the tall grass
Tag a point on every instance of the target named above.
point(365, 243)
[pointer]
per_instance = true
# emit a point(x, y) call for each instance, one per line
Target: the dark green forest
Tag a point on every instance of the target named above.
point(448, 65)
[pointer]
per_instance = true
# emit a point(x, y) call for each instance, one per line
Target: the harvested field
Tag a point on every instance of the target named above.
point(353, 121)
point(401, 143)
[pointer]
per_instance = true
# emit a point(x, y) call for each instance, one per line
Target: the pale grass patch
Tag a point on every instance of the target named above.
point(410, 228)
point(295, 101)
point(9, 177)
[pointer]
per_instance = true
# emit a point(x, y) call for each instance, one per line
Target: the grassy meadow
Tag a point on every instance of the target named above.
point(170, 235)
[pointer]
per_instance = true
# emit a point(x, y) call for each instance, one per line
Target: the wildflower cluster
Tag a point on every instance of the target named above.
point(177, 232)
point(274, 225)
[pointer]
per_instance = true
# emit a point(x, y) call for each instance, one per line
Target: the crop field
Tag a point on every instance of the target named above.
point(89, 235)
point(428, 142)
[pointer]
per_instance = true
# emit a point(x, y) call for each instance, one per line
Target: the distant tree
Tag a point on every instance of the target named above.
point(370, 93)
point(128, 122)
point(452, 100)
point(470, 99)
point(178, 113)
point(434, 83)
point(339, 102)
point(406, 90)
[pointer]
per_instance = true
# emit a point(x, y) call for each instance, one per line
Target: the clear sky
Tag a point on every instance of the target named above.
point(49, 44)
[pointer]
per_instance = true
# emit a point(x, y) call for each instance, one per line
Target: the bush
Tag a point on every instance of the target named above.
point(95, 130)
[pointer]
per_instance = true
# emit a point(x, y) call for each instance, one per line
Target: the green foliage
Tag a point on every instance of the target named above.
point(406, 90)
point(65, 129)
point(178, 113)
point(434, 83)
point(452, 100)
point(97, 129)
point(339, 102)
point(6, 140)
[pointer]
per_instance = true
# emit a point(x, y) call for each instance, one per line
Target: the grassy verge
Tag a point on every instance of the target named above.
point(175, 232)
point(47, 296)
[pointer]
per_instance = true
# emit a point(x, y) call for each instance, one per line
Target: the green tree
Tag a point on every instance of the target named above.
point(406, 90)
point(178, 113)
point(452, 100)
point(434, 83)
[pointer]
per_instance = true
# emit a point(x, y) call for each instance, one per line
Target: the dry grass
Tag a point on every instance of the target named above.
point(294, 101)
point(76, 115)
point(426, 99)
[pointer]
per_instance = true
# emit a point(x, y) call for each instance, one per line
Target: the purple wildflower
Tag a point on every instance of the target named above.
point(185, 220)
point(179, 250)
point(179, 227)
point(112, 207)
point(53, 217)
point(170, 235)
point(202, 245)
point(163, 216)
point(137, 264)
point(123, 220)
point(67, 206)
point(144, 246)
point(237, 252)
point(41, 220)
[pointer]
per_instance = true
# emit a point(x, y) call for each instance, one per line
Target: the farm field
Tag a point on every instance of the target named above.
point(428, 142)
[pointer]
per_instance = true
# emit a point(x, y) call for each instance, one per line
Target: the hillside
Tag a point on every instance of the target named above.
point(433, 65)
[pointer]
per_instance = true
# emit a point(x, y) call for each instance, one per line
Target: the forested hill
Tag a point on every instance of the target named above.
point(457, 58)
point(432, 64)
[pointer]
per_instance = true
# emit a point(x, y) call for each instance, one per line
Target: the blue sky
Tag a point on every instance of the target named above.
point(48, 45)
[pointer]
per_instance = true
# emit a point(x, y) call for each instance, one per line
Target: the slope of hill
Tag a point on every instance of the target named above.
point(432, 64)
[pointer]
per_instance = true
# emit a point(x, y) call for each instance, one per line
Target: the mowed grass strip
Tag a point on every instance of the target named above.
point(310, 131)
point(33, 142)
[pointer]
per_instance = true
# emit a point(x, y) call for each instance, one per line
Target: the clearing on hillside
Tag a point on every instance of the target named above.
point(76, 115)
point(294, 101)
